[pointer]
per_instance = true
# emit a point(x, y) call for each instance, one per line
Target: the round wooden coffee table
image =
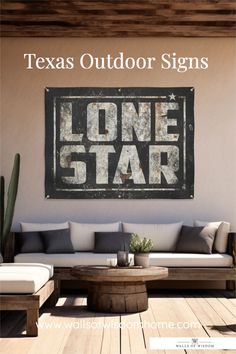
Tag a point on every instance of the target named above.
point(113, 289)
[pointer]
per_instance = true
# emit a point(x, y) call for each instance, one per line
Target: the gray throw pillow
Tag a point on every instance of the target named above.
point(111, 242)
point(57, 241)
point(1, 258)
point(196, 239)
point(28, 242)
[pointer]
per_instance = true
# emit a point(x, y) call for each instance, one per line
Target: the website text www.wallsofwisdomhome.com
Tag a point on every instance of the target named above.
point(96, 324)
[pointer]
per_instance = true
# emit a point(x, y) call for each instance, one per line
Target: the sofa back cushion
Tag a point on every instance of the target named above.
point(163, 236)
point(221, 239)
point(82, 235)
point(29, 227)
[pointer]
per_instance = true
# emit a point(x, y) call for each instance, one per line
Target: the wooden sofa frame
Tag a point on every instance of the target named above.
point(48, 294)
point(227, 274)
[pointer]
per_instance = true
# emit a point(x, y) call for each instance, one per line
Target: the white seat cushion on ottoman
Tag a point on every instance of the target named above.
point(23, 278)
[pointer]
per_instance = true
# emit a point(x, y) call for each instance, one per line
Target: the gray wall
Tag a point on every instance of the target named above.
point(22, 126)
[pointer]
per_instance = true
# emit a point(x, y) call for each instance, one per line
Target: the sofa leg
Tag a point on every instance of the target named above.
point(32, 319)
point(52, 300)
point(231, 286)
point(59, 286)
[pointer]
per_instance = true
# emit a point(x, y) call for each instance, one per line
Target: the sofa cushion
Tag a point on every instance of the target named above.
point(57, 241)
point(23, 278)
point(111, 242)
point(28, 242)
point(196, 239)
point(163, 236)
point(82, 235)
point(221, 239)
point(26, 227)
point(190, 260)
point(161, 259)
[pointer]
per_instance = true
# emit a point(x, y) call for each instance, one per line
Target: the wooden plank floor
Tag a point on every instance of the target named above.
point(70, 328)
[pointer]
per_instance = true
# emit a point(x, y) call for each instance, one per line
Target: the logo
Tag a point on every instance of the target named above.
point(182, 343)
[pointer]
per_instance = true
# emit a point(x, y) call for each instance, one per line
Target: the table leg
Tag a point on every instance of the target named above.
point(124, 297)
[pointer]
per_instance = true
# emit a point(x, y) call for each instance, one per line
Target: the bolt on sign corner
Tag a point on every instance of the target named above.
point(119, 142)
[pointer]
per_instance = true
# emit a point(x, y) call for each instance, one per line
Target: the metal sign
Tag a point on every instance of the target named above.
point(119, 143)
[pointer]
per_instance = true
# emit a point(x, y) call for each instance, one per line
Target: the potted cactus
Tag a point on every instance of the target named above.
point(140, 248)
point(6, 215)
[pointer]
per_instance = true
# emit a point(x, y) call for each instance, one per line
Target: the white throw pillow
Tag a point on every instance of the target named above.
point(30, 227)
point(221, 238)
point(163, 236)
point(82, 235)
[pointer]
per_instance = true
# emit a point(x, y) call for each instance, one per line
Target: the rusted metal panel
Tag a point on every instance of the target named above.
point(119, 143)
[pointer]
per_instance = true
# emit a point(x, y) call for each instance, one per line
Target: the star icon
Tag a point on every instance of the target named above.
point(172, 96)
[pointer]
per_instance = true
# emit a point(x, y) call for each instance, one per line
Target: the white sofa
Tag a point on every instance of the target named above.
point(164, 238)
point(218, 265)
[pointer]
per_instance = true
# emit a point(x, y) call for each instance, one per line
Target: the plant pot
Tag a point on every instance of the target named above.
point(141, 259)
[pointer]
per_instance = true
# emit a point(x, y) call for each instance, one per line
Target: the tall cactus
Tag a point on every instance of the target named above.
point(7, 215)
point(2, 204)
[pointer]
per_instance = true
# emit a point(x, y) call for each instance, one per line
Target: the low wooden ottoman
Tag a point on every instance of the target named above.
point(118, 289)
point(26, 286)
